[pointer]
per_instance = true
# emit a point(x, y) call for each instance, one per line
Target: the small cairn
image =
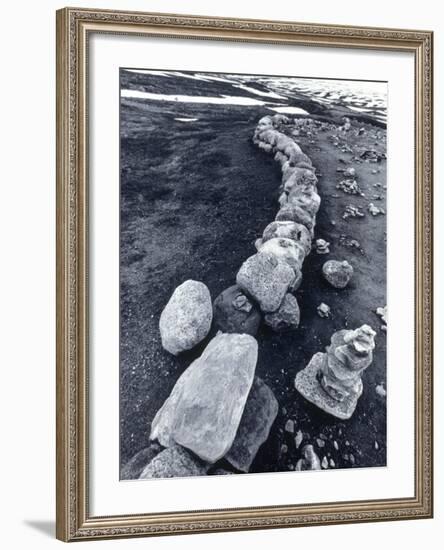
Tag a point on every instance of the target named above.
point(332, 380)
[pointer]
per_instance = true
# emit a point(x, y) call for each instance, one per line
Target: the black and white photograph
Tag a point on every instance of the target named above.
point(253, 307)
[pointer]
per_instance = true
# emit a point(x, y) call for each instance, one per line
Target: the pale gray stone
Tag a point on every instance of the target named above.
point(205, 407)
point(291, 252)
point(288, 230)
point(266, 279)
point(135, 465)
point(186, 319)
point(337, 273)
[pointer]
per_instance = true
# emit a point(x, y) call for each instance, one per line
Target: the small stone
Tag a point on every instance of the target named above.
point(322, 246)
point(287, 317)
point(266, 279)
point(284, 449)
point(376, 445)
point(174, 462)
point(320, 443)
point(352, 459)
point(298, 439)
point(382, 312)
point(347, 443)
point(186, 319)
point(335, 445)
point(374, 210)
point(233, 312)
point(337, 273)
point(289, 426)
point(324, 463)
point(324, 310)
point(310, 460)
point(352, 212)
point(380, 390)
point(350, 172)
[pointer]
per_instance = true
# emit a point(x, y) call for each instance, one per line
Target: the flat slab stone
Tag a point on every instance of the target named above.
point(307, 384)
point(205, 407)
point(260, 412)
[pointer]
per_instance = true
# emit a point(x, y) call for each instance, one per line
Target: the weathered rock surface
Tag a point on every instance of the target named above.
point(322, 246)
point(174, 462)
point(294, 213)
point(287, 317)
point(306, 199)
point(233, 312)
point(205, 407)
point(291, 252)
point(338, 274)
point(260, 412)
point(288, 230)
point(186, 319)
point(266, 279)
point(135, 465)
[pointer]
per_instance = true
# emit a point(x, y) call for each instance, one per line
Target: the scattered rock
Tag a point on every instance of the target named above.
point(320, 443)
point(337, 273)
point(352, 459)
point(259, 414)
point(284, 449)
point(135, 465)
point(310, 460)
point(349, 186)
point(382, 312)
point(380, 390)
point(324, 463)
point(289, 426)
point(205, 407)
point(374, 210)
point(352, 212)
point(335, 445)
point(324, 310)
point(266, 279)
point(350, 172)
point(298, 439)
point(287, 317)
point(332, 463)
point(322, 246)
point(174, 462)
point(186, 319)
point(376, 446)
point(233, 312)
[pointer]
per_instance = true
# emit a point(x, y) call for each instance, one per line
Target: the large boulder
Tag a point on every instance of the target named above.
point(309, 200)
point(288, 230)
point(287, 250)
point(234, 312)
point(287, 317)
point(266, 279)
point(260, 412)
point(135, 465)
point(175, 462)
point(205, 407)
point(186, 319)
point(337, 273)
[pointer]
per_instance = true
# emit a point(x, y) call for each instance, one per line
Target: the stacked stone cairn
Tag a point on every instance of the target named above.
point(332, 380)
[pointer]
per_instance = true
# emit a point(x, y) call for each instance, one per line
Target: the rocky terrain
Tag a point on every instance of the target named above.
point(196, 195)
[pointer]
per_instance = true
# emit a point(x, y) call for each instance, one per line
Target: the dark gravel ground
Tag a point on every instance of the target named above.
point(194, 197)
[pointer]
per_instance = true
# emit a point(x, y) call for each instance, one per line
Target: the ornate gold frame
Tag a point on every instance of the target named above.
point(73, 519)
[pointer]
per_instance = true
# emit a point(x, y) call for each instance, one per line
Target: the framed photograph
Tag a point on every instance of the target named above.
point(244, 274)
